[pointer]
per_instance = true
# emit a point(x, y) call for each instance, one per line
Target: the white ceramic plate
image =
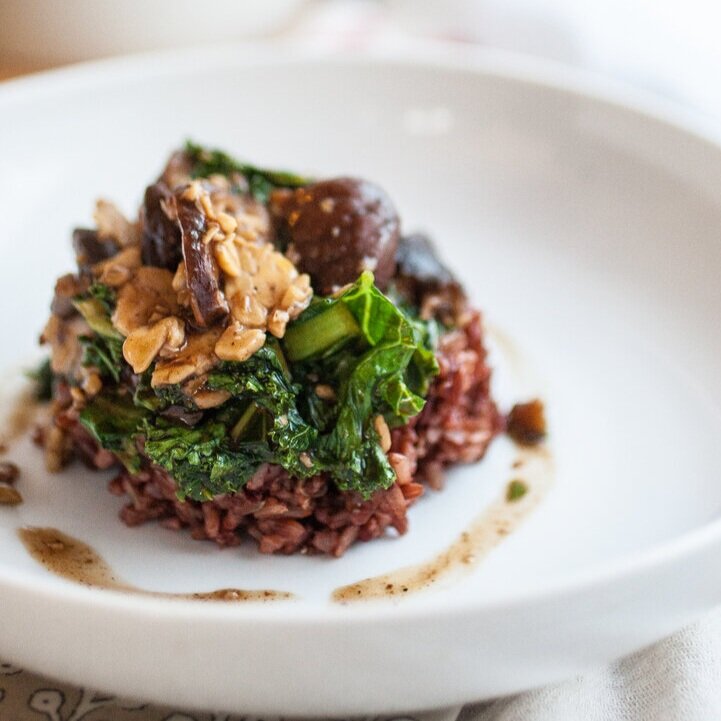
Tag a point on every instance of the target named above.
point(585, 226)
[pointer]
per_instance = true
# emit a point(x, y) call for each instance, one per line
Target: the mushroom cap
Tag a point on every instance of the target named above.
point(335, 229)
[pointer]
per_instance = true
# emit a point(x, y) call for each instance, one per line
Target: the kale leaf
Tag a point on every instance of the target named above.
point(96, 305)
point(104, 294)
point(201, 459)
point(374, 369)
point(114, 420)
point(104, 348)
point(105, 354)
point(42, 376)
point(261, 182)
point(260, 424)
point(263, 381)
point(373, 358)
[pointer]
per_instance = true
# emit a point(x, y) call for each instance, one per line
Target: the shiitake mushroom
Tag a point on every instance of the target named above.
point(335, 229)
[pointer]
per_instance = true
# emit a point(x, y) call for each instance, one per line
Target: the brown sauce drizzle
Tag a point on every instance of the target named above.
point(513, 356)
point(20, 417)
point(73, 560)
point(485, 533)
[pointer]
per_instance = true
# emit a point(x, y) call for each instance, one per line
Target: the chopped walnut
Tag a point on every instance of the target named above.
point(261, 287)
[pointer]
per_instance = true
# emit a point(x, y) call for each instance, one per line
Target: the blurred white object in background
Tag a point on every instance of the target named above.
point(37, 33)
point(671, 47)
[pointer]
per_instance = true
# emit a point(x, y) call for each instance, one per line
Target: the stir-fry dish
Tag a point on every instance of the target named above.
point(264, 355)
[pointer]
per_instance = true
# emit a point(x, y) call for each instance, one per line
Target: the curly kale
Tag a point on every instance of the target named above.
point(372, 357)
point(105, 354)
point(104, 348)
point(378, 366)
point(42, 376)
point(262, 380)
point(201, 459)
point(115, 420)
point(261, 182)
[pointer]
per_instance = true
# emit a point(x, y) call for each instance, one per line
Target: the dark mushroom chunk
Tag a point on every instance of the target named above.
point(160, 240)
point(201, 271)
point(418, 261)
point(183, 415)
point(335, 229)
point(9, 472)
point(526, 423)
point(425, 281)
point(90, 248)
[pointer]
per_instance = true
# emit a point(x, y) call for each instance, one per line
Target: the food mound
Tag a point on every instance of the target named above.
point(264, 354)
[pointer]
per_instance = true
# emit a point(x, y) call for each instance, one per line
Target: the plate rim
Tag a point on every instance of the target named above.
point(544, 74)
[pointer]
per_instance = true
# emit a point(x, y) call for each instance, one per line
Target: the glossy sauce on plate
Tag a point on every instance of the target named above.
point(73, 560)
point(534, 467)
point(23, 412)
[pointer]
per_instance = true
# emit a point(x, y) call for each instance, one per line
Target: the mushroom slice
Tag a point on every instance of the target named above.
point(160, 238)
point(201, 269)
point(90, 248)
